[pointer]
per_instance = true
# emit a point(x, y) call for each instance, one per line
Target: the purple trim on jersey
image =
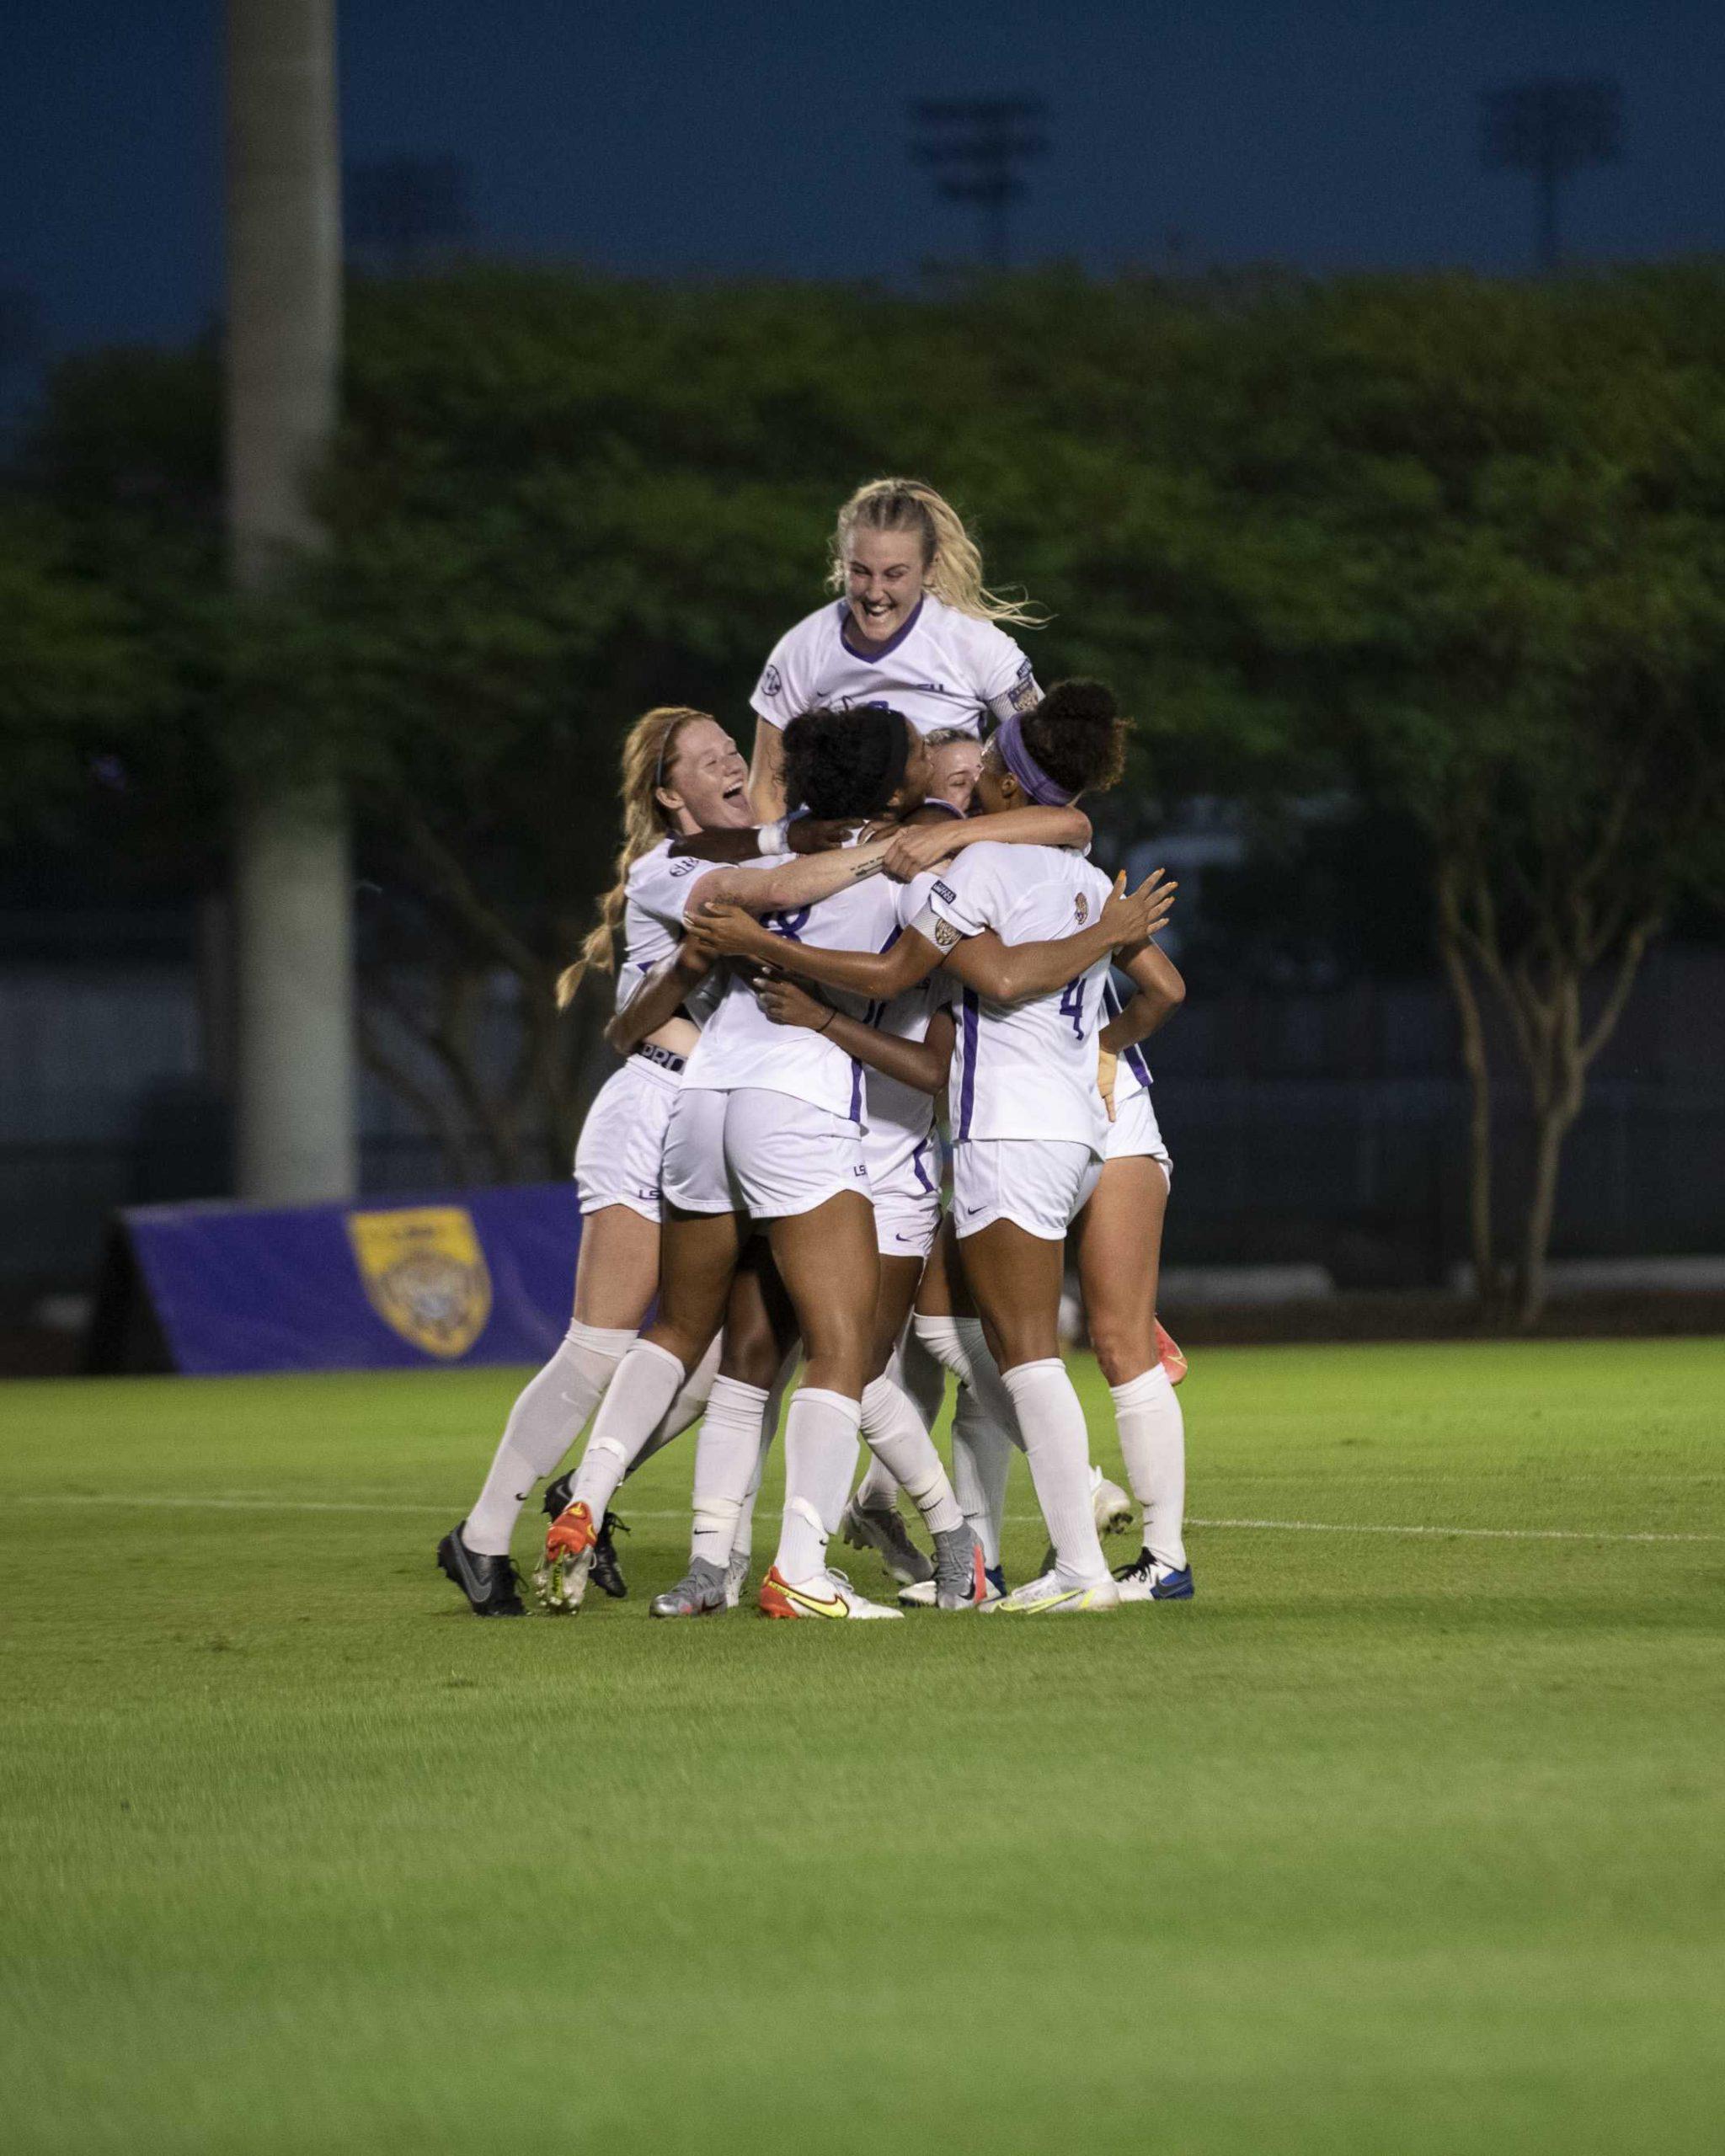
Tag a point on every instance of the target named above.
point(846, 624)
point(856, 1090)
point(1134, 1056)
point(952, 808)
point(967, 1090)
point(921, 1173)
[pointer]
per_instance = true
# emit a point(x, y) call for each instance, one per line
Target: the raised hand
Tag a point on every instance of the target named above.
point(1134, 916)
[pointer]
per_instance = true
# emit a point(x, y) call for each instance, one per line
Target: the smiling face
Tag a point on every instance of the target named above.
point(706, 782)
point(884, 573)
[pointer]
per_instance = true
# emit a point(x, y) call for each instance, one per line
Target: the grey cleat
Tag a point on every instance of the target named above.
point(701, 1593)
point(882, 1530)
point(960, 1579)
point(736, 1577)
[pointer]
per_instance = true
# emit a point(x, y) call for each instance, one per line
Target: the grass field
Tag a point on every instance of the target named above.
point(1405, 1840)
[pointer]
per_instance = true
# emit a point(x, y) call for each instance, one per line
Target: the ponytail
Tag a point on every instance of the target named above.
point(951, 563)
point(649, 750)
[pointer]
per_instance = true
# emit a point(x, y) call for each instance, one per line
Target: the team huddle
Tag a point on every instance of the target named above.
point(893, 904)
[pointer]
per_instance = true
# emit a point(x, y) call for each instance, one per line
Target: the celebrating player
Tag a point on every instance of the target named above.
point(916, 629)
point(1030, 1125)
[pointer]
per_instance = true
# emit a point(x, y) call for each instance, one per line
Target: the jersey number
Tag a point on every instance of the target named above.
point(789, 925)
point(1072, 1005)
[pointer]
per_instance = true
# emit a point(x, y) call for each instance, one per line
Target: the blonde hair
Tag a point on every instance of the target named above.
point(649, 750)
point(952, 561)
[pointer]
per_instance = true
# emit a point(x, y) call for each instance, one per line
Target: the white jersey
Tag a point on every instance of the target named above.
point(742, 1046)
point(905, 1111)
point(1025, 1069)
point(655, 893)
point(944, 669)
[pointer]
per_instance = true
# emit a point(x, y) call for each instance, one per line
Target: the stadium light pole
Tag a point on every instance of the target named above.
point(1551, 127)
point(975, 146)
point(293, 931)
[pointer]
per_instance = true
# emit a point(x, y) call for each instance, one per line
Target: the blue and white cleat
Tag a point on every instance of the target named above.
point(1144, 1579)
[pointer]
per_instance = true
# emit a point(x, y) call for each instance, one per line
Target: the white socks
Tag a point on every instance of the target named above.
point(548, 1415)
point(895, 1434)
point(648, 1379)
point(1058, 1448)
point(982, 1454)
point(687, 1408)
point(728, 1455)
point(820, 1456)
point(1153, 1440)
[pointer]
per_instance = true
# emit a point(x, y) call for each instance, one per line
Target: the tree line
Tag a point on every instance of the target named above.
point(1454, 546)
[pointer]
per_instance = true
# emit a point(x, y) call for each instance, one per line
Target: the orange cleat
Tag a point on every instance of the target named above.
point(828, 1594)
point(562, 1579)
point(1168, 1353)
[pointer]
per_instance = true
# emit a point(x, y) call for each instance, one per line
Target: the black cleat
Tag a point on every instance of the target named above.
point(490, 1584)
point(607, 1574)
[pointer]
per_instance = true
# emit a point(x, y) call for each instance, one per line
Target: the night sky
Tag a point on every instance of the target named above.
point(676, 139)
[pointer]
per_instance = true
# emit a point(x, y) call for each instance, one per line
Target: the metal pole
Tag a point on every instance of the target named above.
point(292, 926)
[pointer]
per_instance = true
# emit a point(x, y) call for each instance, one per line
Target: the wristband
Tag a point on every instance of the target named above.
point(770, 838)
point(832, 1015)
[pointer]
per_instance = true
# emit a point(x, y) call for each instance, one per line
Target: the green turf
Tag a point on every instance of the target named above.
point(1387, 1843)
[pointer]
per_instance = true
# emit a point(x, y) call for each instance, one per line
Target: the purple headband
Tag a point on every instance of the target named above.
point(1024, 767)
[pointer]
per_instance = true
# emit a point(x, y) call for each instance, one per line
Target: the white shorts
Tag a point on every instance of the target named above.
point(1135, 1129)
point(768, 1154)
point(904, 1179)
point(620, 1154)
point(1042, 1185)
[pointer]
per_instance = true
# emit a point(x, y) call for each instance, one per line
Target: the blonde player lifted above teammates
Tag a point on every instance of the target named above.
point(681, 774)
point(915, 628)
point(1029, 1122)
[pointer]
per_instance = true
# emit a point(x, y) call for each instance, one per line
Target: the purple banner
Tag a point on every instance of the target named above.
point(475, 1276)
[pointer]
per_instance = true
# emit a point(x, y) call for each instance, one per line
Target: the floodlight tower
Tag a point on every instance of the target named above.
point(976, 146)
point(1551, 127)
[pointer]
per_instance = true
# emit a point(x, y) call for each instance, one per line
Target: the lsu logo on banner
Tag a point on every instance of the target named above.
point(425, 1275)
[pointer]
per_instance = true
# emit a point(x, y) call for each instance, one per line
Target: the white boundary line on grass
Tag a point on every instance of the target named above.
point(265, 1503)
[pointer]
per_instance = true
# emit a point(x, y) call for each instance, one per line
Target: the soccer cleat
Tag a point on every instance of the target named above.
point(736, 1577)
point(607, 1575)
point(960, 1575)
point(490, 1584)
point(921, 1595)
point(828, 1594)
point(562, 1579)
point(1144, 1579)
point(879, 1529)
point(1050, 1596)
point(558, 1494)
point(1109, 1502)
point(1167, 1353)
point(700, 1593)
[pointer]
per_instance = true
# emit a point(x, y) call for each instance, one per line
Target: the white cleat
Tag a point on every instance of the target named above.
point(1051, 1596)
point(1111, 1505)
point(736, 1577)
point(827, 1595)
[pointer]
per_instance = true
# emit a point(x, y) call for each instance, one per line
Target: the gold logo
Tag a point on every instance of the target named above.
point(425, 1275)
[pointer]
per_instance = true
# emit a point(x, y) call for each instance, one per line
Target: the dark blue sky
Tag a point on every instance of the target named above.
point(676, 138)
